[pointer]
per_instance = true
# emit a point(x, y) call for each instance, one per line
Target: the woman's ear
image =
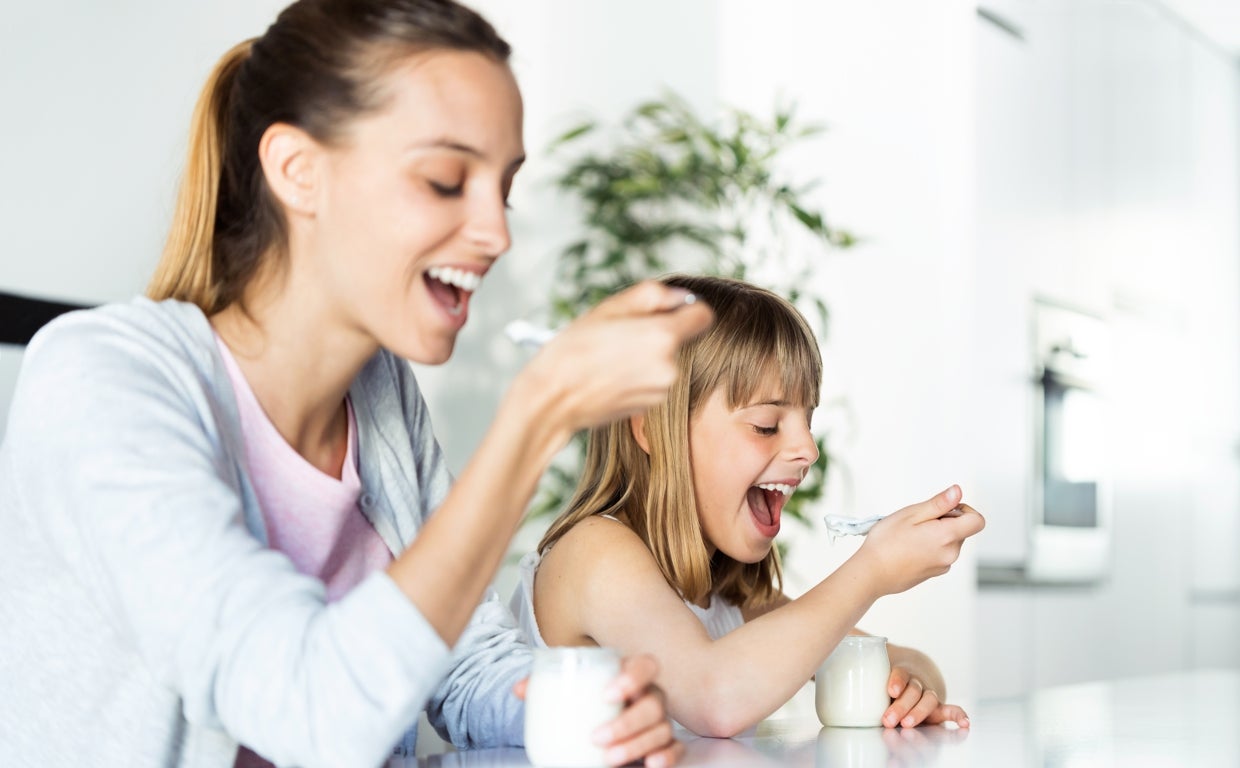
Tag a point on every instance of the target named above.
point(288, 156)
point(637, 423)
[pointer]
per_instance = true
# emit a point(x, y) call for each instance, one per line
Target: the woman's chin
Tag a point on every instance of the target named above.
point(426, 354)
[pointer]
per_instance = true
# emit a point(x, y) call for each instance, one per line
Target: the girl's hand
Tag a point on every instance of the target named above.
point(914, 703)
point(620, 357)
point(919, 541)
point(642, 731)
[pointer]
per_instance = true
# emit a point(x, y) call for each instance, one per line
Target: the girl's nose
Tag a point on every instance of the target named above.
point(801, 446)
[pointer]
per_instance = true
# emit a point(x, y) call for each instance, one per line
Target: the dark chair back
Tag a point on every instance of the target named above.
point(22, 316)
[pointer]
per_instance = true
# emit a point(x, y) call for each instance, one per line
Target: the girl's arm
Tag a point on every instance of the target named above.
point(600, 584)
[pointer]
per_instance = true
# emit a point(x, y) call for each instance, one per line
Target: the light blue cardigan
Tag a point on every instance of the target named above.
point(142, 621)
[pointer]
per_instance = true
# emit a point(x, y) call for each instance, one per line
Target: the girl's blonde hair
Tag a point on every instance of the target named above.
point(317, 67)
point(757, 337)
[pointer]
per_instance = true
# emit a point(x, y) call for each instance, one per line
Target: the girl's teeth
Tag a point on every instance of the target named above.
point(467, 281)
point(782, 488)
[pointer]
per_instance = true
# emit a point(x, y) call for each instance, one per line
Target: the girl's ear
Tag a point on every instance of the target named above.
point(637, 423)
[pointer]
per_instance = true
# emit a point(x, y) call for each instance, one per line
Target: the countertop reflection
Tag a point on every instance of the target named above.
point(1181, 719)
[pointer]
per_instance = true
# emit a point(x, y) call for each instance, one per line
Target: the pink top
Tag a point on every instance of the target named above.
point(311, 517)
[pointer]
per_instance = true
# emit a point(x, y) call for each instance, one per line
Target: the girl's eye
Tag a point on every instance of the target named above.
point(446, 190)
point(766, 431)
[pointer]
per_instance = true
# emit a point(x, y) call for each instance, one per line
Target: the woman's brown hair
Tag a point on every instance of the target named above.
point(757, 338)
point(317, 67)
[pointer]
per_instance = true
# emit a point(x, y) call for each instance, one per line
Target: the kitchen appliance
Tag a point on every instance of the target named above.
point(1070, 517)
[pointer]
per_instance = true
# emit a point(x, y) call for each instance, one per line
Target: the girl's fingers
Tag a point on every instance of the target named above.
point(897, 682)
point(949, 713)
point(903, 703)
point(928, 703)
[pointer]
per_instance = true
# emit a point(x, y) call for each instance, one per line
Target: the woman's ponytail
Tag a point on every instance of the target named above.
point(186, 269)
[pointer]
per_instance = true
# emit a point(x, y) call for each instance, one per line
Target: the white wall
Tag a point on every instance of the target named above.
point(95, 100)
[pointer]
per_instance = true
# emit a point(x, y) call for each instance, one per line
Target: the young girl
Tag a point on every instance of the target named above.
point(667, 546)
point(225, 517)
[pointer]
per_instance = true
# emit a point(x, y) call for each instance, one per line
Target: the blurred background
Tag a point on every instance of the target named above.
point(1043, 304)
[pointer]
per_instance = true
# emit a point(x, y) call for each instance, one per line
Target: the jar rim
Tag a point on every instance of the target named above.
point(864, 639)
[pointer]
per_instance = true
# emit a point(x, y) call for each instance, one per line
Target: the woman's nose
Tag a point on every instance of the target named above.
point(487, 227)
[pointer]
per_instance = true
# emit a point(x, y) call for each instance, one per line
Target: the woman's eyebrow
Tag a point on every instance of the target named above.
point(464, 148)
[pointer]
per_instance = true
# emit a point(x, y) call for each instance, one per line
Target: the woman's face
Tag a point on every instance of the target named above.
point(412, 208)
point(746, 462)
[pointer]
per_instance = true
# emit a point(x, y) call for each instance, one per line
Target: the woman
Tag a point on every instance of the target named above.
point(217, 523)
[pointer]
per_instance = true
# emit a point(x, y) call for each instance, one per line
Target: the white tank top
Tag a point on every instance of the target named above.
point(720, 618)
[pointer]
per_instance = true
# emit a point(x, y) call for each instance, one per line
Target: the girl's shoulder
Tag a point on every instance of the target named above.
point(597, 545)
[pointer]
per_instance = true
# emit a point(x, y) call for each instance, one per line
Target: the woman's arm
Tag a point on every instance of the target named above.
point(599, 583)
point(617, 359)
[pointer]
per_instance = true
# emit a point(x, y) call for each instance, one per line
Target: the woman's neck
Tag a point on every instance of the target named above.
point(300, 365)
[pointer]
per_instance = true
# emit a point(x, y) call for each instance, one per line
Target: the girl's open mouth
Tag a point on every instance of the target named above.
point(766, 501)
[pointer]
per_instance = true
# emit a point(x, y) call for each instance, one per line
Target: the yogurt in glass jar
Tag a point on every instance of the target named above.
point(851, 685)
point(564, 704)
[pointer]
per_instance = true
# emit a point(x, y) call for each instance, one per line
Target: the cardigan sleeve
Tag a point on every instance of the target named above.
point(475, 707)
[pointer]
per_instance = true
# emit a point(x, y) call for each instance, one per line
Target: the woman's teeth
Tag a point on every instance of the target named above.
point(466, 281)
point(780, 487)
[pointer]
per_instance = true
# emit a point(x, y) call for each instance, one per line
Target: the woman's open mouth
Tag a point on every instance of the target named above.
point(451, 288)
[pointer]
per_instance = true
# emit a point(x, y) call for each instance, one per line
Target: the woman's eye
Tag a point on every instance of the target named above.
point(768, 431)
point(446, 190)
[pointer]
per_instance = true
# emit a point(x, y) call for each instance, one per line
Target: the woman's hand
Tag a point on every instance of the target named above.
point(915, 701)
point(642, 731)
point(620, 357)
point(919, 541)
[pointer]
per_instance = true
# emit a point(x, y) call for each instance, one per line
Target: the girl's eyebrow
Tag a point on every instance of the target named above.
point(775, 403)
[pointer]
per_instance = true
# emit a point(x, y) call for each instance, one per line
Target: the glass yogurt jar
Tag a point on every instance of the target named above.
point(564, 704)
point(851, 685)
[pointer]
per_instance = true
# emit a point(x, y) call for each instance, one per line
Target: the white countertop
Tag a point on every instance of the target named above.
point(1189, 719)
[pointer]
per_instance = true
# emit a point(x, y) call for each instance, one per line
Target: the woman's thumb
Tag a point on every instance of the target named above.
point(645, 298)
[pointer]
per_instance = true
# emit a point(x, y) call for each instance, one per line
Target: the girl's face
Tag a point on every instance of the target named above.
point(412, 208)
point(746, 462)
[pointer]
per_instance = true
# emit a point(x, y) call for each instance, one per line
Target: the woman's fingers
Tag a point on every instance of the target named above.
point(643, 728)
point(645, 298)
point(620, 358)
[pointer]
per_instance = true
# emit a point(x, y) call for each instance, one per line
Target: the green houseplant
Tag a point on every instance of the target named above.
point(673, 192)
